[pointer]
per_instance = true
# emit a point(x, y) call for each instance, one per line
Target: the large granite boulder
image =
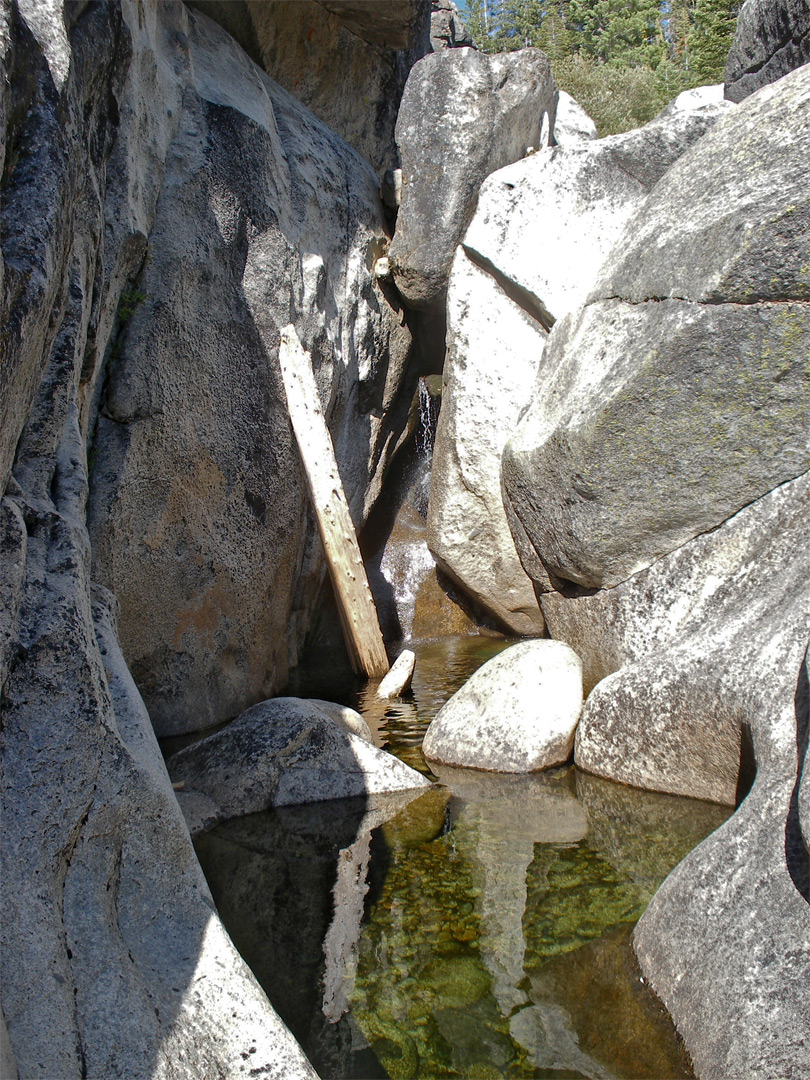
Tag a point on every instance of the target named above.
point(464, 114)
point(198, 510)
point(283, 752)
point(516, 714)
point(675, 654)
point(680, 392)
point(113, 961)
point(772, 38)
point(540, 233)
point(298, 45)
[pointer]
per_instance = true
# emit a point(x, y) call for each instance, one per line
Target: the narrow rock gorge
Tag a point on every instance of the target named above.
point(621, 464)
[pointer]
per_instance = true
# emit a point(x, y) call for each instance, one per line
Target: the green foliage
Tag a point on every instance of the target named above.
point(622, 60)
point(128, 304)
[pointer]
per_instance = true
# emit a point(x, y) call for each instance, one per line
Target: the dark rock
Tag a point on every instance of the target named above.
point(771, 39)
point(333, 55)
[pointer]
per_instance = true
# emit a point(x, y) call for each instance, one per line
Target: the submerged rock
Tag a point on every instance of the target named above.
point(464, 114)
point(283, 752)
point(517, 713)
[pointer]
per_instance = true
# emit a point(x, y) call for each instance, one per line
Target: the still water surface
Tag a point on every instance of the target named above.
point(479, 930)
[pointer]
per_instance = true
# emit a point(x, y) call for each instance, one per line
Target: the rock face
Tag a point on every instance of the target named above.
point(142, 979)
point(296, 44)
point(681, 652)
point(538, 238)
point(683, 424)
point(468, 533)
point(517, 713)
point(198, 511)
point(464, 114)
point(695, 402)
point(283, 752)
point(447, 29)
point(772, 38)
point(572, 124)
point(113, 253)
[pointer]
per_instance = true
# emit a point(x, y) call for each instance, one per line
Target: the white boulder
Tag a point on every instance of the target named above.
point(399, 677)
point(518, 713)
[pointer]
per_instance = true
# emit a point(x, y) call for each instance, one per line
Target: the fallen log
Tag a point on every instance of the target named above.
point(358, 615)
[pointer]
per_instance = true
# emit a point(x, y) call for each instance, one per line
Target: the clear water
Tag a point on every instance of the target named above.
point(479, 930)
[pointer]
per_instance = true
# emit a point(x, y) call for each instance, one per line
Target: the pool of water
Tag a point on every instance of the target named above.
point(479, 930)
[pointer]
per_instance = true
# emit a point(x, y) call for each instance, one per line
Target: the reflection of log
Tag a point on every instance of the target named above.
point(358, 614)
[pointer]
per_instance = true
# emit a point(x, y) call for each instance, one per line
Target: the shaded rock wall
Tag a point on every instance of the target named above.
point(265, 217)
point(296, 43)
point(163, 206)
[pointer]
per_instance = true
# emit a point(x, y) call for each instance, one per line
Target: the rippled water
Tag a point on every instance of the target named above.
point(480, 930)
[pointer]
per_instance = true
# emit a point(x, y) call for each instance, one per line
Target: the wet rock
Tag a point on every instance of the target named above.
point(772, 38)
point(347, 718)
point(678, 394)
point(283, 752)
point(464, 114)
point(571, 123)
point(399, 677)
point(517, 713)
point(565, 1027)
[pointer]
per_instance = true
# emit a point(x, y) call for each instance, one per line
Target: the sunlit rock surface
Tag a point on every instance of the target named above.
point(464, 114)
point(283, 752)
point(679, 392)
point(517, 713)
point(541, 231)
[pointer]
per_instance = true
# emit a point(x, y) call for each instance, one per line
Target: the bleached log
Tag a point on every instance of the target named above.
point(358, 615)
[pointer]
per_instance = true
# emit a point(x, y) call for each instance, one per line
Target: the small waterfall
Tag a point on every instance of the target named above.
point(410, 601)
point(406, 561)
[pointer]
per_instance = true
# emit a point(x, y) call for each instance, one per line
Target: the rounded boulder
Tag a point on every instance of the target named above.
point(516, 714)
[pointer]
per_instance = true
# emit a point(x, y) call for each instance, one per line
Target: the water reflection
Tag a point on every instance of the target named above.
point(481, 929)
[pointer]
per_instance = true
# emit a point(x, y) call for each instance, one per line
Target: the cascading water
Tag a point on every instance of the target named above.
point(405, 563)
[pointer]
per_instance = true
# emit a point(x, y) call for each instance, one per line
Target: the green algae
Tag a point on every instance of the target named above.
point(491, 932)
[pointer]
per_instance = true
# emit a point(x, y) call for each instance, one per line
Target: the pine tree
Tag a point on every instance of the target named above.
point(710, 38)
